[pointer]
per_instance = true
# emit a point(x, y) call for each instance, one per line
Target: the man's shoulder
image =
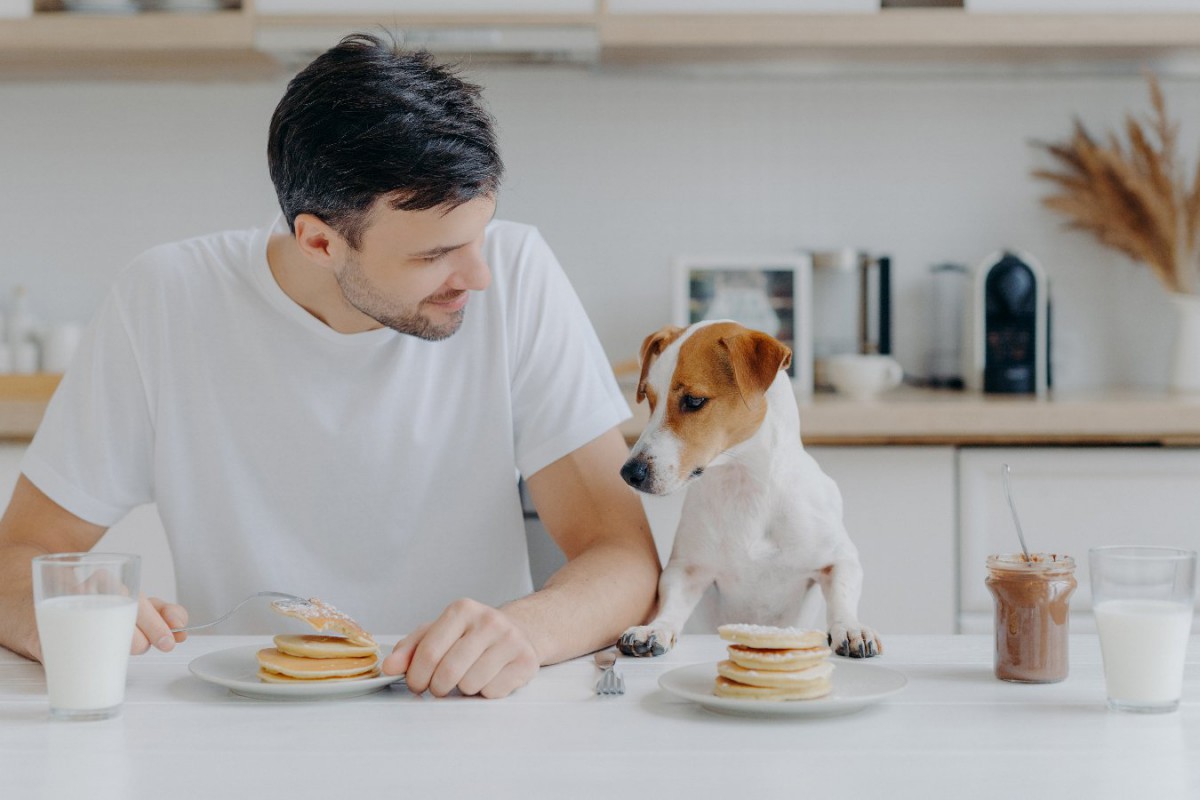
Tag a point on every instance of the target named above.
point(206, 255)
point(221, 245)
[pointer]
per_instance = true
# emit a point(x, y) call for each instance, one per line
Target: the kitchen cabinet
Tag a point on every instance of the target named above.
point(257, 36)
point(899, 510)
point(1070, 499)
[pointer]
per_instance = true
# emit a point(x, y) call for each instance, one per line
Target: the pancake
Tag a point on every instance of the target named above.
point(752, 658)
point(775, 679)
point(272, 660)
point(318, 646)
point(740, 691)
point(324, 617)
point(275, 677)
point(765, 637)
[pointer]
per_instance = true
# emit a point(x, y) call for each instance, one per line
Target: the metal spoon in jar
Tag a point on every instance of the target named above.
point(1013, 508)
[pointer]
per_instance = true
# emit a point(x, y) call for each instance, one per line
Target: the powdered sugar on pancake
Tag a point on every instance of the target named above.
point(766, 636)
point(324, 617)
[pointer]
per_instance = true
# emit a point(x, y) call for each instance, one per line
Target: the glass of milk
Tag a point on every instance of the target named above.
point(86, 608)
point(1143, 599)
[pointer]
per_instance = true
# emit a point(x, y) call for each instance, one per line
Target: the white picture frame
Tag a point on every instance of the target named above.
point(771, 292)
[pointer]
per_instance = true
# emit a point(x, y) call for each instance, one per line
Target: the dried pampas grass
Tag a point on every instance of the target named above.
point(1133, 197)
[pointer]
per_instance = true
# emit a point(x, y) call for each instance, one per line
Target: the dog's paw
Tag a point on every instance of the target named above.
point(646, 640)
point(854, 641)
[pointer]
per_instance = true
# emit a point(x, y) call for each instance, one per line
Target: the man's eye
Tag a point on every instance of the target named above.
point(692, 403)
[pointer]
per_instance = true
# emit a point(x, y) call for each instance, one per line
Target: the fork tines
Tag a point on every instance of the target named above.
point(610, 683)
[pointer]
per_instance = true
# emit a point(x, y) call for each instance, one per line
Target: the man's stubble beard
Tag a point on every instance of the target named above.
point(401, 318)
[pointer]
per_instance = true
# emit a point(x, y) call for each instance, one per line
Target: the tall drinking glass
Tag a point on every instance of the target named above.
point(86, 607)
point(1143, 598)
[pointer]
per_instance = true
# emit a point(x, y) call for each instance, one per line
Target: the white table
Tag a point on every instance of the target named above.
point(955, 731)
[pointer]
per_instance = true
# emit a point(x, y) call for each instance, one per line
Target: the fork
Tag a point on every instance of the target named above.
point(610, 680)
point(229, 613)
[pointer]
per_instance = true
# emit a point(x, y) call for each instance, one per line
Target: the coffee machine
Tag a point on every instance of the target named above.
point(1010, 326)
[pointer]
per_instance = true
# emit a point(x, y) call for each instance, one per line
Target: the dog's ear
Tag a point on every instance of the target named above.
point(652, 347)
point(756, 359)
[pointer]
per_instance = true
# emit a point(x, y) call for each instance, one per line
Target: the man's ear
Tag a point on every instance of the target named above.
point(317, 239)
point(652, 347)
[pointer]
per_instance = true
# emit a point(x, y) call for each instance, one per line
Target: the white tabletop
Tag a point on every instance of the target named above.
point(953, 731)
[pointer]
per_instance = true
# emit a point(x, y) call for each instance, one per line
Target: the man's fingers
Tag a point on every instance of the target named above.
point(511, 678)
point(487, 668)
point(175, 616)
point(398, 660)
point(437, 640)
point(462, 656)
point(472, 647)
point(152, 627)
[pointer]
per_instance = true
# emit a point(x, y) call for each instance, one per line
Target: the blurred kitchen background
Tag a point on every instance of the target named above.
point(624, 164)
point(636, 132)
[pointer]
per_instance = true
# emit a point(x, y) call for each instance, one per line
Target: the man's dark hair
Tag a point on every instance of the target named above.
point(367, 119)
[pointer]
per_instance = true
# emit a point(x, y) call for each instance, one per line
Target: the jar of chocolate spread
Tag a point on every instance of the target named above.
point(1031, 615)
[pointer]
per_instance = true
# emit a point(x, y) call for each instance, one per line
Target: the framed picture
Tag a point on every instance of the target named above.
point(770, 293)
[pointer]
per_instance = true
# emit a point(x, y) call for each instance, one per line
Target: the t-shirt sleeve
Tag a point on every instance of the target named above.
point(563, 390)
point(92, 452)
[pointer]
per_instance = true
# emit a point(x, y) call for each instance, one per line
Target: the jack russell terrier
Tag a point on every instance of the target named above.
point(761, 522)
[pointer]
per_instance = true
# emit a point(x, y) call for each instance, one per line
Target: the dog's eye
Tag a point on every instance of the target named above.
point(692, 403)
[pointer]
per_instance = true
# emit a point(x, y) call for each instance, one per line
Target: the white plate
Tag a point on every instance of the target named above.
point(855, 685)
point(237, 669)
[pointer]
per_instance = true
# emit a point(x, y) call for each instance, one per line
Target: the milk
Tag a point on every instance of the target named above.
point(1143, 644)
point(85, 649)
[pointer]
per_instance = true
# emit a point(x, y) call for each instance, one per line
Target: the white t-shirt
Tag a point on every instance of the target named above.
point(376, 471)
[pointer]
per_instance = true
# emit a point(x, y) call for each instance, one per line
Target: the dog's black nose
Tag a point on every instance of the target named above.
point(635, 472)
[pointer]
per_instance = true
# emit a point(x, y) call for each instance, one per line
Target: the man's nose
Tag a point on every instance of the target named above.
point(472, 273)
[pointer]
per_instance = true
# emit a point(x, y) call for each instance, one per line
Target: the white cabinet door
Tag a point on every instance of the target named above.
point(1071, 499)
point(140, 532)
point(899, 510)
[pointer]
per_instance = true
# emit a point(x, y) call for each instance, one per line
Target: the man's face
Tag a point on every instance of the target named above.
point(414, 269)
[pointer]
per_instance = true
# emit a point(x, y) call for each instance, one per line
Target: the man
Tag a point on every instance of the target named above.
point(340, 405)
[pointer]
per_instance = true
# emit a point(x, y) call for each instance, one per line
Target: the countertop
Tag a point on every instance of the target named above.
point(913, 416)
point(953, 731)
point(903, 416)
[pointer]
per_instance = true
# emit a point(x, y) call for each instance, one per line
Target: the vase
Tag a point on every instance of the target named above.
point(1184, 375)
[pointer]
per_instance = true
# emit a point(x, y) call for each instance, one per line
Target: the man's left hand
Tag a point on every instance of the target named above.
point(472, 647)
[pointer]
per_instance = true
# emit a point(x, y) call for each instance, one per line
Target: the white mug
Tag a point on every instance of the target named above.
point(862, 375)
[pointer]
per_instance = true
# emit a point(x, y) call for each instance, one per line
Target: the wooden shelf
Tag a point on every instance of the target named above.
point(897, 34)
point(238, 42)
point(63, 32)
point(162, 45)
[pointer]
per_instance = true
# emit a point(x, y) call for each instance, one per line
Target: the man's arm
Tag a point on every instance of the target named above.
point(35, 525)
point(607, 585)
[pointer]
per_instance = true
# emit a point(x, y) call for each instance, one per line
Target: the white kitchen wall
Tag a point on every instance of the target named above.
point(621, 169)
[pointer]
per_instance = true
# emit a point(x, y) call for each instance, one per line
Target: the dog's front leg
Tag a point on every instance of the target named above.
point(679, 590)
point(841, 583)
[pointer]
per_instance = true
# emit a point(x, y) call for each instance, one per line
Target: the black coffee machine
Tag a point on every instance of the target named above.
point(1011, 326)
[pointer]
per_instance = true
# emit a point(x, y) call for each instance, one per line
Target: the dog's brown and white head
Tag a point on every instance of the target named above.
point(706, 386)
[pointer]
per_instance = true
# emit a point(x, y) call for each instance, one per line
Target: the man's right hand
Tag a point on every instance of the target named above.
point(154, 622)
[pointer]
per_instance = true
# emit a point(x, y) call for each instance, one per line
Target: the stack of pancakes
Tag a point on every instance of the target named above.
point(767, 663)
point(349, 656)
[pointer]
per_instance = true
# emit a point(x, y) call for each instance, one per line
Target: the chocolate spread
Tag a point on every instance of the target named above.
point(1031, 615)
